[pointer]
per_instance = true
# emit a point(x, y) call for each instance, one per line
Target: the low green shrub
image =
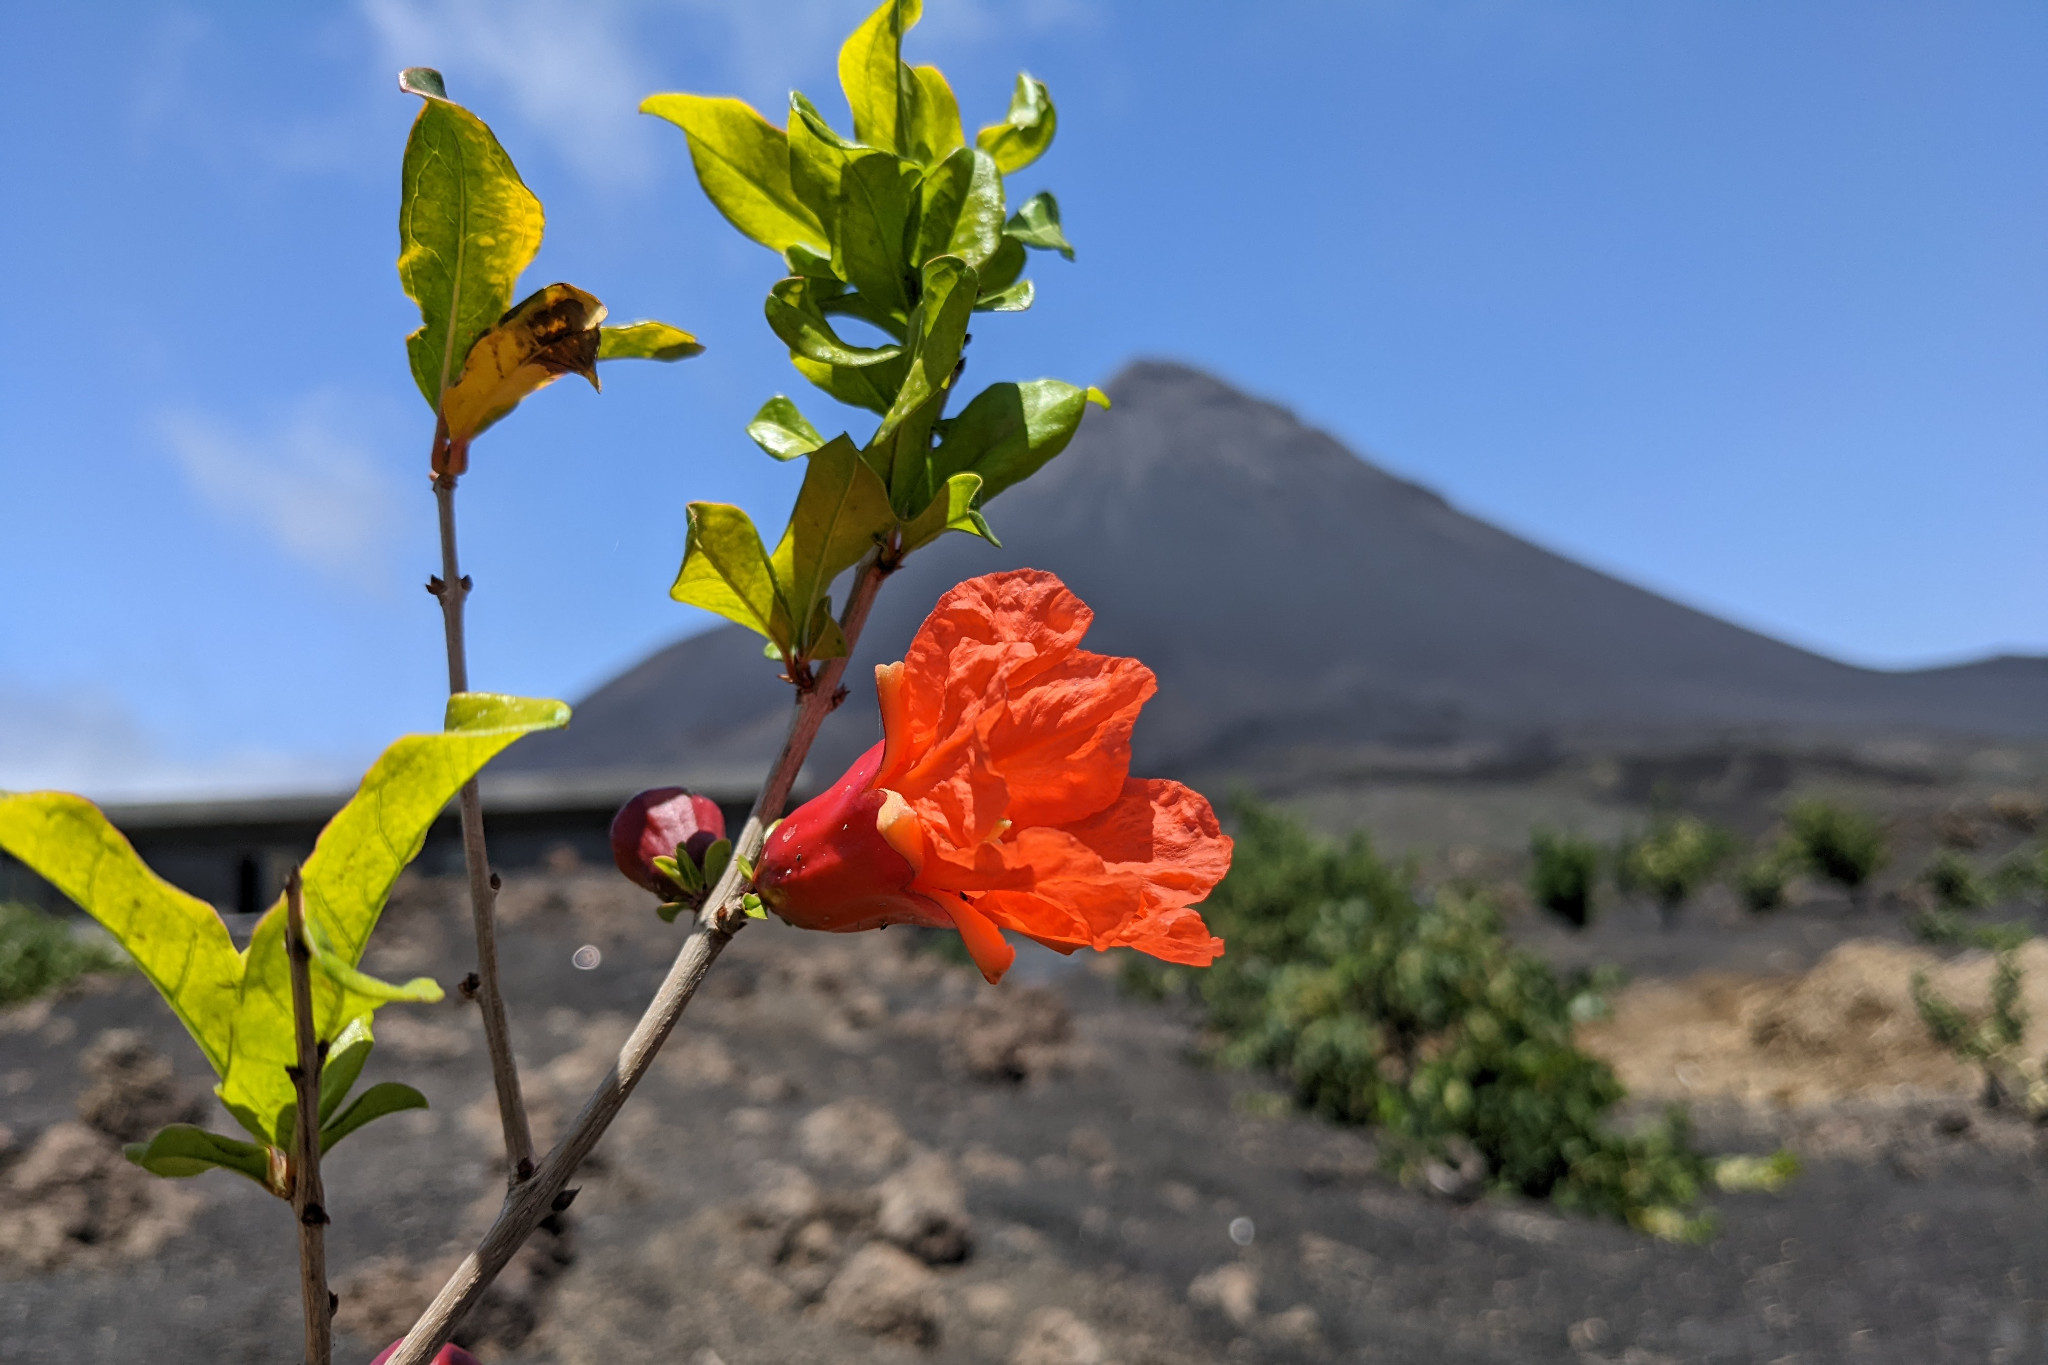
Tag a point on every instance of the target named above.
point(1415, 1014)
point(1953, 883)
point(1760, 880)
point(1672, 860)
point(1993, 1043)
point(1565, 872)
point(40, 952)
point(1845, 846)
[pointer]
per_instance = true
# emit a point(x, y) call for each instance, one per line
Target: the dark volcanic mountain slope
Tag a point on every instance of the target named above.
point(1299, 604)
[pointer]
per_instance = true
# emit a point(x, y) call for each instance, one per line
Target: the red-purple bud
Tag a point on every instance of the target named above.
point(655, 824)
point(451, 1354)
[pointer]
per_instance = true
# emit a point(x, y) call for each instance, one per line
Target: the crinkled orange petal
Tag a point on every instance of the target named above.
point(1124, 877)
point(1062, 743)
point(985, 637)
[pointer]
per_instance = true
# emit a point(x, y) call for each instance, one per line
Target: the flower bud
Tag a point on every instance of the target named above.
point(665, 823)
point(451, 1354)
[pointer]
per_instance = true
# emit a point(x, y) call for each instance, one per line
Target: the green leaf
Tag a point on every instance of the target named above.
point(743, 163)
point(817, 160)
point(184, 1150)
point(839, 511)
point(902, 443)
point(1010, 430)
point(870, 242)
point(1037, 224)
point(867, 386)
point(345, 1059)
point(1016, 299)
point(794, 316)
point(952, 510)
point(782, 431)
point(547, 334)
point(467, 227)
point(1003, 270)
point(177, 940)
point(386, 1097)
point(715, 859)
point(960, 209)
point(1022, 137)
point(347, 880)
point(751, 903)
point(881, 91)
point(935, 131)
point(646, 341)
point(359, 985)
point(725, 570)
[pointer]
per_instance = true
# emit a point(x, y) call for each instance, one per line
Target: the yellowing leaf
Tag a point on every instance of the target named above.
point(467, 227)
point(742, 161)
point(646, 341)
point(237, 1006)
point(176, 939)
point(935, 131)
point(781, 430)
point(550, 333)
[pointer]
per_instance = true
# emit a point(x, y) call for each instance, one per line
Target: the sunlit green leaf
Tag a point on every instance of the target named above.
point(357, 985)
point(818, 157)
point(1010, 430)
point(901, 443)
point(952, 510)
point(782, 431)
point(347, 880)
point(935, 131)
point(345, 1059)
point(869, 386)
point(743, 163)
point(960, 209)
point(877, 195)
point(794, 316)
point(879, 89)
point(177, 940)
point(646, 341)
point(184, 1150)
point(1037, 224)
point(1022, 137)
point(1015, 299)
point(386, 1097)
point(841, 508)
point(467, 227)
point(725, 570)
point(549, 333)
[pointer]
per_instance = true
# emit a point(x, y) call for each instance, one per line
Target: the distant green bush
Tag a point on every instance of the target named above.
point(1565, 873)
point(1672, 860)
point(1845, 846)
point(1416, 1014)
point(1992, 1043)
point(1953, 883)
point(1760, 880)
point(40, 952)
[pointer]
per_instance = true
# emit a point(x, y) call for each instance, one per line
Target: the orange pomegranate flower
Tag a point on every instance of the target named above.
point(1001, 798)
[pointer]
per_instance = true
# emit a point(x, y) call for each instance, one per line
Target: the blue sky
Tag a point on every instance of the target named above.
point(1747, 302)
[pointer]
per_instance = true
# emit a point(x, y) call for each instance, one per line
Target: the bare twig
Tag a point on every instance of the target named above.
point(722, 917)
point(308, 1198)
point(453, 589)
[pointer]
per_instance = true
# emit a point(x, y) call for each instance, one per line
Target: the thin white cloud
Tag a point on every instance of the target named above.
point(576, 73)
point(83, 739)
point(307, 484)
point(571, 70)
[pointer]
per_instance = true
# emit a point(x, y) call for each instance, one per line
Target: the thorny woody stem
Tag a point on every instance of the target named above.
point(453, 589)
point(526, 1204)
point(308, 1198)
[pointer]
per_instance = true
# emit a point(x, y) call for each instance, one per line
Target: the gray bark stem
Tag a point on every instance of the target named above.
point(722, 917)
point(309, 1199)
